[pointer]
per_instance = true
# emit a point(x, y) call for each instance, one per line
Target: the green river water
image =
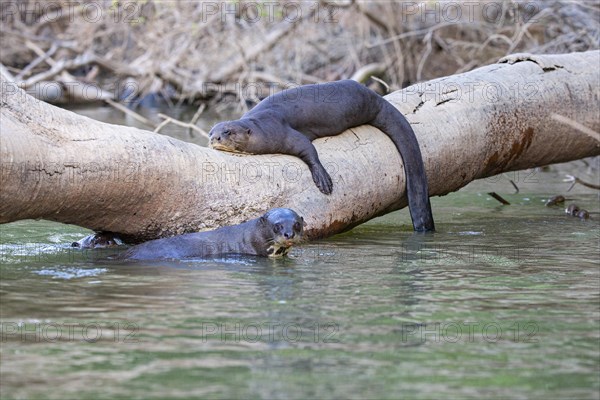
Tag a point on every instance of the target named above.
point(501, 302)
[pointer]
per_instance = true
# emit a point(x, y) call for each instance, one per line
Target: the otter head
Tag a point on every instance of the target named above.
point(572, 209)
point(283, 228)
point(230, 136)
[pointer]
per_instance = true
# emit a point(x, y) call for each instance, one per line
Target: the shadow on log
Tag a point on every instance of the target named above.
point(60, 166)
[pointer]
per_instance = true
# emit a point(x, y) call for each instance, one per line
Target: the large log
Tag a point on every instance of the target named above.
point(60, 166)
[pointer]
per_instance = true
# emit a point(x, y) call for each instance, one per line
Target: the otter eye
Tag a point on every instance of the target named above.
point(277, 228)
point(297, 226)
point(227, 132)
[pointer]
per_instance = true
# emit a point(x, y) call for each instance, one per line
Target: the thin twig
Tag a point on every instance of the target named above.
point(161, 125)
point(41, 58)
point(6, 73)
point(499, 198)
point(58, 67)
point(574, 179)
point(181, 123)
point(525, 28)
point(376, 79)
point(515, 186)
point(428, 48)
point(198, 113)
point(576, 125)
point(129, 112)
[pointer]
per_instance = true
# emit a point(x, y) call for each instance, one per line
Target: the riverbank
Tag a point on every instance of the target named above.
point(238, 52)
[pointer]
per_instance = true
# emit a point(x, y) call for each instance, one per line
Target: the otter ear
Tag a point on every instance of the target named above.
point(263, 220)
point(303, 223)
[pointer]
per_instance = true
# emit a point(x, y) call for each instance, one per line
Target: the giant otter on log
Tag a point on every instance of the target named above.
point(288, 121)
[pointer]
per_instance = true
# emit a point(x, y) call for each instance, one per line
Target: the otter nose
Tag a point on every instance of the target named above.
point(289, 235)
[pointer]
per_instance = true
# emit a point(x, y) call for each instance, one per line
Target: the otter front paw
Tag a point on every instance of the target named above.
point(322, 180)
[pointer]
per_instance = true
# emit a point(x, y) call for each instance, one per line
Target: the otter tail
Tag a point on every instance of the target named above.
point(394, 124)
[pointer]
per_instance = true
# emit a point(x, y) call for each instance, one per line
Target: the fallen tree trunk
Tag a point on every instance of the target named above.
point(60, 166)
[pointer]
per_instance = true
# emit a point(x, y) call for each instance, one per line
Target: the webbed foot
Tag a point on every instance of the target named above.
point(322, 179)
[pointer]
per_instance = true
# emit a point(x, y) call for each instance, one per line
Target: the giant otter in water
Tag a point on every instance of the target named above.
point(269, 236)
point(288, 121)
point(98, 240)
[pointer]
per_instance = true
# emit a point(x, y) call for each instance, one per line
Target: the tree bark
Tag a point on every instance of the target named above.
point(60, 166)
